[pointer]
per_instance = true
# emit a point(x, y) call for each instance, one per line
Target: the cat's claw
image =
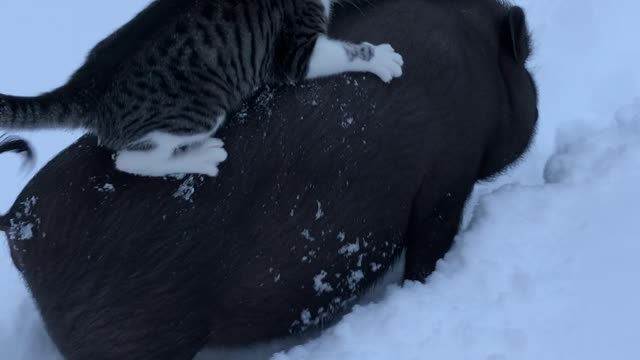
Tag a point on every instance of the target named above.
point(386, 62)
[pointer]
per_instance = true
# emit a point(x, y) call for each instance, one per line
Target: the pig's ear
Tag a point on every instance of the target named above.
point(516, 38)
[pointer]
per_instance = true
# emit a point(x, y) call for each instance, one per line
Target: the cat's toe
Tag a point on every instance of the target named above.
point(387, 63)
point(217, 155)
point(398, 59)
point(213, 143)
point(396, 70)
point(384, 75)
point(209, 170)
point(211, 161)
point(210, 155)
point(206, 165)
point(385, 48)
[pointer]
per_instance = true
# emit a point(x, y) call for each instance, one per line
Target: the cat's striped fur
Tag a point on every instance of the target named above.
point(160, 86)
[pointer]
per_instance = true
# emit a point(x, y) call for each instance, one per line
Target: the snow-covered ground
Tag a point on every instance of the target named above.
point(546, 266)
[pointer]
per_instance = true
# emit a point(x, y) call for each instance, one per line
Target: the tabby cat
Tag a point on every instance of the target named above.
point(158, 88)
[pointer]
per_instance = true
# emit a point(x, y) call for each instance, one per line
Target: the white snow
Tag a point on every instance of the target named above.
point(354, 278)
point(319, 212)
point(186, 190)
point(350, 248)
point(106, 188)
point(306, 234)
point(546, 266)
point(320, 285)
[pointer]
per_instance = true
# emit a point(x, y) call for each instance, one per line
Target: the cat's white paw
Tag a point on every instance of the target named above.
point(200, 158)
point(386, 62)
point(203, 158)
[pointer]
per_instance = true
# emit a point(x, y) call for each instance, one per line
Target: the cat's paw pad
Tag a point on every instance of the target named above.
point(386, 62)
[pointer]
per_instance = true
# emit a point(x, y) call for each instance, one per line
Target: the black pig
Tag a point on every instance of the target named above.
point(326, 185)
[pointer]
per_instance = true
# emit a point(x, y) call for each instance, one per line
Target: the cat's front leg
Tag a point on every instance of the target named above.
point(331, 57)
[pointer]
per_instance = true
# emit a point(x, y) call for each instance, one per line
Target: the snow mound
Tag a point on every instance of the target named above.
point(541, 272)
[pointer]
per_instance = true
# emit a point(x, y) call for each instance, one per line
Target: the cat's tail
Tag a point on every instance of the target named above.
point(19, 146)
point(53, 110)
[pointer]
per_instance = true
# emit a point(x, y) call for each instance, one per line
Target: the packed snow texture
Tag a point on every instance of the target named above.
point(546, 264)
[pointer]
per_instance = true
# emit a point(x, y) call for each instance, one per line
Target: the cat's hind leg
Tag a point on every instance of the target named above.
point(331, 57)
point(164, 154)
